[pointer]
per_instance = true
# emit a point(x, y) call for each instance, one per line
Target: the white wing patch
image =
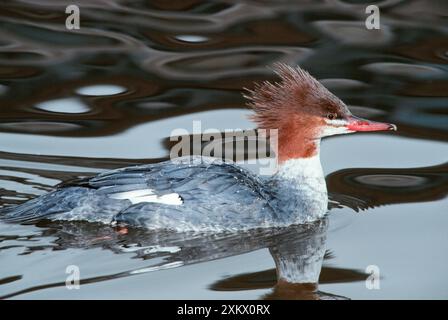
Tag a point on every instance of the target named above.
point(139, 196)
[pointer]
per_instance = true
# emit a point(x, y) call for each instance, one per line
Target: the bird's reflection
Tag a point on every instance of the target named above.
point(298, 252)
point(299, 262)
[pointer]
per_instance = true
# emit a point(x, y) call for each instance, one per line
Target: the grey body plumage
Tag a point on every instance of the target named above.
point(213, 195)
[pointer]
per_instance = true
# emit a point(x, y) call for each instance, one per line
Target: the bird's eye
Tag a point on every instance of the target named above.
point(332, 116)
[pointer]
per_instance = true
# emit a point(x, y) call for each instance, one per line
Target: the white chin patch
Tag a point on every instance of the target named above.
point(335, 127)
point(139, 196)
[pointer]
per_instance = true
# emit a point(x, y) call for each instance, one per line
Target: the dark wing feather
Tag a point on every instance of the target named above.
point(189, 180)
point(195, 182)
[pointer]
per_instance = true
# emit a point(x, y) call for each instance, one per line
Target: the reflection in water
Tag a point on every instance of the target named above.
point(365, 188)
point(298, 253)
point(154, 53)
point(67, 105)
point(100, 90)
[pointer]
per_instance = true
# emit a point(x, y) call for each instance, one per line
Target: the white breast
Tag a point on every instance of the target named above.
point(302, 189)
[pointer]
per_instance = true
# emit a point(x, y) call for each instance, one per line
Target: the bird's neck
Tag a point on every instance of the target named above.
point(301, 169)
point(300, 188)
point(296, 141)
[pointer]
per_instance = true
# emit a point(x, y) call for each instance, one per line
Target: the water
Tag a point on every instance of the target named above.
point(74, 103)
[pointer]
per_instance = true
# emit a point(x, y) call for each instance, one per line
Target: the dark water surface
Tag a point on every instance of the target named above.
point(73, 103)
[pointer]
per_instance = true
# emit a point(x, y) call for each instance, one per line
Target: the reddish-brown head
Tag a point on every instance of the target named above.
point(303, 111)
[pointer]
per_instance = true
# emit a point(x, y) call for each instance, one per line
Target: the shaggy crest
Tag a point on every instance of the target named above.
point(297, 92)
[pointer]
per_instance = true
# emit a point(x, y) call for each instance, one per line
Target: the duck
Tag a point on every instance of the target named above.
point(202, 193)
